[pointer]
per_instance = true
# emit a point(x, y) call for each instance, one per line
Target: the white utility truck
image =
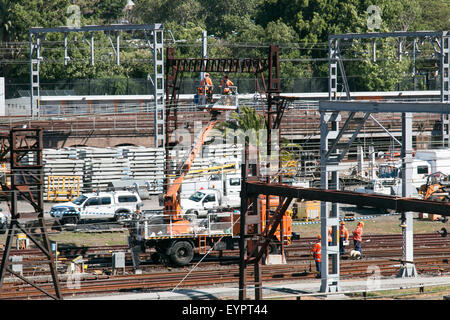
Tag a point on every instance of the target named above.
point(208, 199)
point(118, 205)
point(439, 159)
point(219, 191)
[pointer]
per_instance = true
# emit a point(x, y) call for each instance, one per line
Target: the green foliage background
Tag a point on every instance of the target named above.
point(236, 28)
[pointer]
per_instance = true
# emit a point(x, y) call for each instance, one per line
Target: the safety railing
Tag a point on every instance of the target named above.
point(191, 226)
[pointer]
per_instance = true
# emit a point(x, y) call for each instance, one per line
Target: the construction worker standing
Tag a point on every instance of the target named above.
point(317, 252)
point(225, 84)
point(343, 236)
point(330, 231)
point(205, 90)
point(357, 237)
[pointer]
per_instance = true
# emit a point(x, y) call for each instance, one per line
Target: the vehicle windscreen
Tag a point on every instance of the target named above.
point(197, 196)
point(79, 201)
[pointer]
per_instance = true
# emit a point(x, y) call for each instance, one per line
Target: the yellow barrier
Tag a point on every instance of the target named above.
point(63, 188)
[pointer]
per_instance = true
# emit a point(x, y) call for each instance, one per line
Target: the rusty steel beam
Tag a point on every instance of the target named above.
point(233, 65)
point(269, 231)
point(398, 204)
point(27, 182)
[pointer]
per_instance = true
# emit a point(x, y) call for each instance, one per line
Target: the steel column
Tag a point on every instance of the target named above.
point(445, 86)
point(159, 87)
point(332, 69)
point(329, 213)
point(407, 270)
point(35, 58)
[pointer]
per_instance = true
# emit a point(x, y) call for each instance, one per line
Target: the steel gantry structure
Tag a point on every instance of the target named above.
point(268, 72)
point(153, 38)
point(333, 148)
point(439, 40)
point(27, 183)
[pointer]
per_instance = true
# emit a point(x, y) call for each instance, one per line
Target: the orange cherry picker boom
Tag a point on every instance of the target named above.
point(175, 235)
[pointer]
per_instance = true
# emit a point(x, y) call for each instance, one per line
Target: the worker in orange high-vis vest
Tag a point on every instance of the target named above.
point(357, 237)
point(317, 252)
point(343, 236)
point(226, 83)
point(330, 231)
point(205, 90)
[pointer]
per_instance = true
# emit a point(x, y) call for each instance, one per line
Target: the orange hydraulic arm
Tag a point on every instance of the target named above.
point(172, 205)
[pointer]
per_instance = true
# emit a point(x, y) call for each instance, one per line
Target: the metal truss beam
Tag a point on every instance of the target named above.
point(156, 45)
point(113, 27)
point(440, 38)
point(397, 204)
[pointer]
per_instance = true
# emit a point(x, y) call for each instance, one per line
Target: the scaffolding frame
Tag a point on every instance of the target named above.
point(330, 116)
point(154, 38)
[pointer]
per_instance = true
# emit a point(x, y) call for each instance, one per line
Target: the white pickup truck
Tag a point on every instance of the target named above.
point(209, 199)
point(118, 205)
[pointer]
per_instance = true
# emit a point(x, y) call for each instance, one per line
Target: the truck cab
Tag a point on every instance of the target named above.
point(201, 201)
point(118, 205)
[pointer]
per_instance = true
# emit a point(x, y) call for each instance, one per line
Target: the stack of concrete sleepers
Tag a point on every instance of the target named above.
point(216, 155)
point(147, 164)
point(62, 162)
point(103, 165)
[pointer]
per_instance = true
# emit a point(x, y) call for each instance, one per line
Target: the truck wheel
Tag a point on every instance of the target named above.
point(70, 220)
point(193, 213)
point(182, 253)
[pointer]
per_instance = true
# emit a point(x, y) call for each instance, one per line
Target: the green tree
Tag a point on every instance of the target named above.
point(6, 16)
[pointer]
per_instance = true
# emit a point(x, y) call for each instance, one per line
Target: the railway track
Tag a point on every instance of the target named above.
point(168, 280)
point(432, 253)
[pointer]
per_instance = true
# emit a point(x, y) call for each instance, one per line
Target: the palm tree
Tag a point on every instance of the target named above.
point(248, 120)
point(244, 122)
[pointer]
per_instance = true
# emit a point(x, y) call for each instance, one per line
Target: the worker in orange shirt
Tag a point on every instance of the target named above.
point(205, 90)
point(225, 84)
point(330, 231)
point(317, 252)
point(357, 237)
point(343, 236)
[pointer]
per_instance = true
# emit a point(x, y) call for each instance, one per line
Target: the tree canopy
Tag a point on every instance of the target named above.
point(235, 28)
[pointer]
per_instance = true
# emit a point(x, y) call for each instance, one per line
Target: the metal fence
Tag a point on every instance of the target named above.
point(141, 86)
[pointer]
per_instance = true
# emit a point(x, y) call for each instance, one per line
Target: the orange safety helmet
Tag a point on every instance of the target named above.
point(361, 224)
point(342, 222)
point(319, 237)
